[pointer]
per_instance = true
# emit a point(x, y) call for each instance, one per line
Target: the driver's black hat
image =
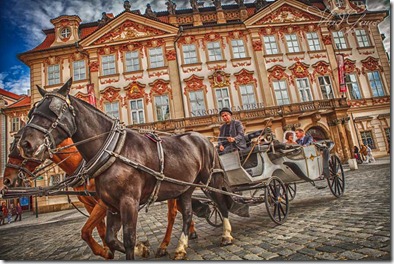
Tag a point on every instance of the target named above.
point(225, 109)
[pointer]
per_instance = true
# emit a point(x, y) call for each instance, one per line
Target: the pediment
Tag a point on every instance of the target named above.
point(286, 11)
point(129, 27)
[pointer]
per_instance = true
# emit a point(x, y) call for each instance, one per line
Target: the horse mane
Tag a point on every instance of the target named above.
point(91, 107)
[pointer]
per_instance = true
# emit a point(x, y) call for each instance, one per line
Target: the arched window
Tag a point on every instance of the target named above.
point(317, 133)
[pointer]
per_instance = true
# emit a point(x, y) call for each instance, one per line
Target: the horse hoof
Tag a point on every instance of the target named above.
point(161, 252)
point(108, 254)
point(226, 241)
point(180, 256)
point(193, 235)
point(142, 249)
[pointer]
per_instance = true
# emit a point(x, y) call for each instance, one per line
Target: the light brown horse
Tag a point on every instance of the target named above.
point(69, 162)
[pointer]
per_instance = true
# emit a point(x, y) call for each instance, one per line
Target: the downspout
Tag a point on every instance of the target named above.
point(180, 32)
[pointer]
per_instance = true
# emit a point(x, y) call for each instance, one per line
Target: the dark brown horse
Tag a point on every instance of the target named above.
point(130, 170)
point(69, 161)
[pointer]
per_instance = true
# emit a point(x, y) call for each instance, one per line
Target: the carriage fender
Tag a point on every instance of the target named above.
point(297, 170)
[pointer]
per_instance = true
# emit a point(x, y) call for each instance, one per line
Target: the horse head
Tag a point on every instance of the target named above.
point(52, 120)
point(17, 169)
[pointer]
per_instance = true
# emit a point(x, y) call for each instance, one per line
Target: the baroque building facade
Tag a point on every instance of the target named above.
point(273, 63)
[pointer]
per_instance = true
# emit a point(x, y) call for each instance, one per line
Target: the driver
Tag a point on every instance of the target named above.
point(231, 135)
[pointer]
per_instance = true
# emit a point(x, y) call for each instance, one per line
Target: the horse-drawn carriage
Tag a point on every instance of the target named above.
point(131, 175)
point(276, 168)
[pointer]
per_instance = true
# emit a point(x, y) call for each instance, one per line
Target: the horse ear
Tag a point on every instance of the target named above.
point(41, 91)
point(66, 87)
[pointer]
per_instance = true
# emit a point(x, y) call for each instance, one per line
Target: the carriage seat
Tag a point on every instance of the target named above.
point(250, 136)
point(322, 144)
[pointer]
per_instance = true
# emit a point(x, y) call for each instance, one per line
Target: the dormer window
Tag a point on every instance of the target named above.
point(65, 33)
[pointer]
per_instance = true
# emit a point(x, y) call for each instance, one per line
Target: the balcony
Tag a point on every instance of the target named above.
point(209, 122)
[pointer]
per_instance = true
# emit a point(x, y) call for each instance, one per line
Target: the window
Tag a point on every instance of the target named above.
point(189, 54)
point(162, 107)
point(304, 89)
point(137, 111)
point(65, 33)
point(112, 109)
point(214, 51)
point(376, 83)
point(362, 38)
point(270, 45)
point(132, 61)
point(197, 103)
point(313, 41)
point(238, 48)
point(339, 40)
point(15, 124)
point(156, 58)
point(366, 137)
point(53, 74)
point(108, 64)
point(352, 86)
point(280, 89)
point(247, 94)
point(79, 70)
point(222, 97)
point(325, 87)
point(292, 43)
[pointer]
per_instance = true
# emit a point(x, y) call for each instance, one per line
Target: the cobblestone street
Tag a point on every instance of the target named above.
point(319, 227)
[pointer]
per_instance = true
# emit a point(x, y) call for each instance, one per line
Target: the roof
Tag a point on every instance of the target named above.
point(24, 101)
point(9, 94)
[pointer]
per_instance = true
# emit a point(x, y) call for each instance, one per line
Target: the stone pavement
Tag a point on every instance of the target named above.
point(319, 226)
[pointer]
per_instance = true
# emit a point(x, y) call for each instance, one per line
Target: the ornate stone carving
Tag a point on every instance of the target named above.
point(277, 72)
point(286, 13)
point(299, 70)
point(109, 94)
point(135, 90)
point(212, 37)
point(131, 46)
point(244, 77)
point(321, 68)
point(219, 79)
point(171, 55)
point(129, 30)
point(149, 12)
point(171, 6)
point(327, 40)
point(371, 64)
point(350, 67)
point(160, 87)
point(257, 45)
point(82, 96)
point(195, 83)
point(94, 66)
point(187, 40)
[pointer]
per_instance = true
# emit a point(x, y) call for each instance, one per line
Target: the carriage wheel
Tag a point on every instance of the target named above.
point(215, 218)
point(292, 190)
point(276, 200)
point(336, 181)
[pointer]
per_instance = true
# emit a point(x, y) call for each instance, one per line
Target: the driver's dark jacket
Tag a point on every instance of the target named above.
point(237, 132)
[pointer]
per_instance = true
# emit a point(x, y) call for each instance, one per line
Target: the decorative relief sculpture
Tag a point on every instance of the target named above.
point(171, 6)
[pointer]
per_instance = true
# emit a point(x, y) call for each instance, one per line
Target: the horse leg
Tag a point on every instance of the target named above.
point(220, 201)
point(172, 212)
point(129, 215)
point(95, 219)
point(113, 227)
point(185, 204)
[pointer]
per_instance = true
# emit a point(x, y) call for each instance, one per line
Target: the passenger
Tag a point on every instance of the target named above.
point(289, 138)
point(302, 139)
point(231, 135)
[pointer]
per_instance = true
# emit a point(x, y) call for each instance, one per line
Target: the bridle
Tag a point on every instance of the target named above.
point(60, 110)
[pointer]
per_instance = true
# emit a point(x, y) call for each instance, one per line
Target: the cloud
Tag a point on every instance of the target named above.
point(18, 85)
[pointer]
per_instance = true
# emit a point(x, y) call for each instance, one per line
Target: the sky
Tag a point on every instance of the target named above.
point(22, 22)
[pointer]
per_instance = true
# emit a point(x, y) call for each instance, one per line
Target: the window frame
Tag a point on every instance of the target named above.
point(245, 54)
point(15, 124)
point(248, 94)
point(74, 68)
point(325, 85)
point(367, 38)
point(150, 56)
point(292, 43)
point(228, 98)
point(303, 89)
point(339, 38)
point(368, 139)
point(138, 58)
point(155, 107)
point(191, 105)
point(112, 103)
point(63, 31)
point(103, 70)
point(275, 42)
point(371, 86)
point(49, 73)
point(313, 41)
point(353, 82)
point(195, 51)
point(281, 92)
point(137, 111)
point(215, 48)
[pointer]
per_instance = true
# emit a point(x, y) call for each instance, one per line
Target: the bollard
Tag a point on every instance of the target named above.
point(353, 164)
